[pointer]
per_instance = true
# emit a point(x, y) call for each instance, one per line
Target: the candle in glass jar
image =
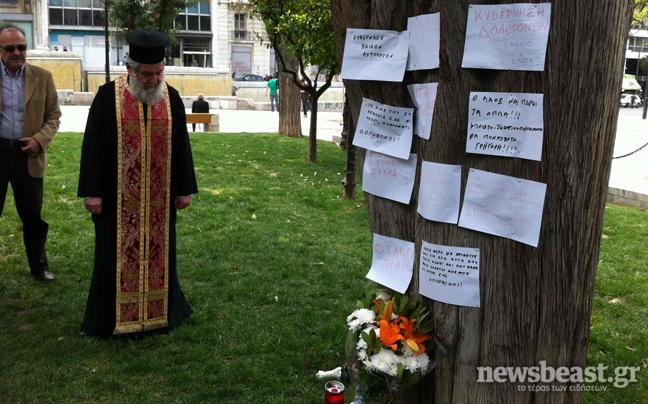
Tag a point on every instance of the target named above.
point(333, 392)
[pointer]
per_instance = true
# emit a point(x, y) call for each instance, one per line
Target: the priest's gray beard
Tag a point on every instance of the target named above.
point(148, 96)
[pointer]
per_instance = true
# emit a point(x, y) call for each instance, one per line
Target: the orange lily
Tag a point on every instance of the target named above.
point(390, 334)
point(389, 331)
point(412, 339)
point(388, 311)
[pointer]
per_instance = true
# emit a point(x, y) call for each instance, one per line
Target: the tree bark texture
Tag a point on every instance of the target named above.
point(348, 129)
point(535, 302)
point(289, 101)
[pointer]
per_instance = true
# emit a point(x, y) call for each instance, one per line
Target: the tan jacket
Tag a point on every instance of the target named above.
point(42, 114)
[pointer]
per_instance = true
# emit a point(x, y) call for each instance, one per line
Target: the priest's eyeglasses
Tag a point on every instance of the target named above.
point(12, 48)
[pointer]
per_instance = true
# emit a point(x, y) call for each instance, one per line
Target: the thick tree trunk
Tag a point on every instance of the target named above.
point(535, 302)
point(289, 101)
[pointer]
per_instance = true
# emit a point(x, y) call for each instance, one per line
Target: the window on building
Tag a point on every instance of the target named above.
point(76, 13)
point(240, 27)
point(638, 44)
point(195, 18)
point(56, 16)
point(196, 52)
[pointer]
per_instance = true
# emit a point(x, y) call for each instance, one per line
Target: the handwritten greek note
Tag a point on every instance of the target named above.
point(371, 54)
point(439, 192)
point(507, 36)
point(449, 274)
point(384, 129)
point(506, 124)
point(392, 262)
point(504, 206)
point(424, 97)
point(389, 177)
point(424, 41)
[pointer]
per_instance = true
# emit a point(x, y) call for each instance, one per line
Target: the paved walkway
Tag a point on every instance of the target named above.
point(628, 174)
point(231, 121)
point(631, 173)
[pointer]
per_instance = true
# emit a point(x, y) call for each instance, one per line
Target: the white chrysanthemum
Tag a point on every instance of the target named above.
point(416, 363)
point(360, 317)
point(385, 361)
point(362, 355)
point(362, 344)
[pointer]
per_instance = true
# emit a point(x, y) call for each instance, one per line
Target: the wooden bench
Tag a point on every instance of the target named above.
point(210, 121)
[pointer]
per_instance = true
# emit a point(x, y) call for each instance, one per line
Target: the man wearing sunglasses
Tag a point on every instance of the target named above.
point(29, 118)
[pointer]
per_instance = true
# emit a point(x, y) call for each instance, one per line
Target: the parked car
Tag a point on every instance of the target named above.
point(249, 77)
point(630, 100)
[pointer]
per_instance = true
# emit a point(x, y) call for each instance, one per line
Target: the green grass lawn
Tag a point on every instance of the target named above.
point(272, 259)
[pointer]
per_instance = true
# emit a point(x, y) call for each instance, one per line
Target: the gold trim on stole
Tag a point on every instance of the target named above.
point(144, 295)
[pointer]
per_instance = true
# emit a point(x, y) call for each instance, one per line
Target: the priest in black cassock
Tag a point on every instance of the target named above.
point(136, 171)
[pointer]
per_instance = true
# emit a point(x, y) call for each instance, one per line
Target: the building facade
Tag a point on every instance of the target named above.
point(217, 34)
point(22, 13)
point(636, 49)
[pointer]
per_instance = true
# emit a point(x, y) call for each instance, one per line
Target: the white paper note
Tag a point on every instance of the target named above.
point(504, 206)
point(507, 36)
point(424, 41)
point(506, 124)
point(371, 54)
point(424, 97)
point(449, 274)
point(384, 129)
point(439, 192)
point(389, 177)
point(392, 263)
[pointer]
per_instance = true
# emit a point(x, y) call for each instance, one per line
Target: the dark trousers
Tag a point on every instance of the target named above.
point(28, 196)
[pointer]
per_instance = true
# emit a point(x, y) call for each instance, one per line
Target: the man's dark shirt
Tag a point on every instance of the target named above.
point(200, 106)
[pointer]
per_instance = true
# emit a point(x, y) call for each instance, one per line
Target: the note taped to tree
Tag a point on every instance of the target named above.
point(389, 177)
point(439, 192)
point(392, 262)
point(424, 41)
point(424, 97)
point(504, 206)
point(384, 129)
point(506, 124)
point(507, 36)
point(449, 274)
point(371, 54)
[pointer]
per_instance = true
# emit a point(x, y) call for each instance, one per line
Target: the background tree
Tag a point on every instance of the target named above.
point(303, 29)
point(158, 15)
point(640, 13)
point(535, 302)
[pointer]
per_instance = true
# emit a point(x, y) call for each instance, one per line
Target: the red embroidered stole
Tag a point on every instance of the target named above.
point(143, 193)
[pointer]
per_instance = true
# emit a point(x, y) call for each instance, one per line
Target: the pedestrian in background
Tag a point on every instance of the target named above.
point(272, 86)
point(29, 119)
point(199, 106)
point(305, 98)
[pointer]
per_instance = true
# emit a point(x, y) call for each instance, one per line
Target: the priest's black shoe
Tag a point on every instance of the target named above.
point(44, 275)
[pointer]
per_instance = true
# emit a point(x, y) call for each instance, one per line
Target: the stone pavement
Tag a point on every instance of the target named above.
point(628, 180)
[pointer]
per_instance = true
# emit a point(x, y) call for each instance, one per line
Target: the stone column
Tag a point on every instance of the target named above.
point(41, 23)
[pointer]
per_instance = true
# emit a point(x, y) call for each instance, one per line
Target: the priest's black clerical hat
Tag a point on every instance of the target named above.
point(146, 46)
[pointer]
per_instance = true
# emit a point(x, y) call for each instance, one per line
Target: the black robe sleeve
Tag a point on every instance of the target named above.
point(183, 176)
point(98, 150)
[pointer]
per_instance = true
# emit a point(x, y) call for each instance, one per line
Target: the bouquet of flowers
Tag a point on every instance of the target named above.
point(387, 347)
